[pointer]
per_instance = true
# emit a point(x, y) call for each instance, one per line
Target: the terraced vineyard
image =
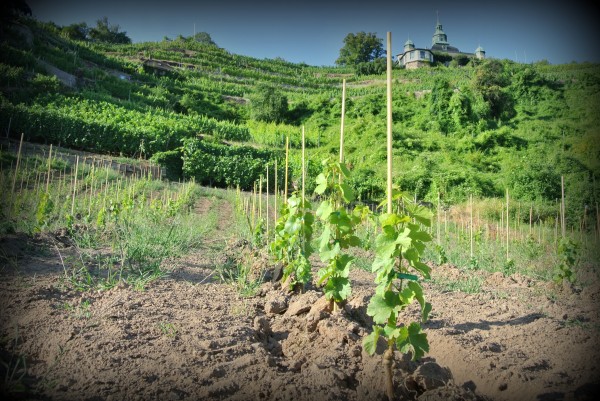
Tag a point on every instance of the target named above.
point(125, 274)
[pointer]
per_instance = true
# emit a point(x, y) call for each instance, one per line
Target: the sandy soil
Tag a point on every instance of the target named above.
point(190, 337)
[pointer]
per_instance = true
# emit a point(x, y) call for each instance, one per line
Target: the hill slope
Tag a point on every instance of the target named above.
point(475, 130)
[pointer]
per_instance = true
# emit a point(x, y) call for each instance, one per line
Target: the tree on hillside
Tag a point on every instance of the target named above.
point(203, 37)
point(105, 32)
point(360, 48)
point(268, 104)
point(491, 82)
point(439, 102)
point(78, 31)
point(10, 10)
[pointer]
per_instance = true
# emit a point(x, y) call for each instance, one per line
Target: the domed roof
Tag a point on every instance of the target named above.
point(479, 50)
point(409, 43)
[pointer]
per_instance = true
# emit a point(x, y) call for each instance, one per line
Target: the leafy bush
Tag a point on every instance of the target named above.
point(223, 165)
point(172, 160)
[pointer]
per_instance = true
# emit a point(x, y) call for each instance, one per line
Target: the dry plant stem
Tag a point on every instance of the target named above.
point(388, 363)
point(16, 170)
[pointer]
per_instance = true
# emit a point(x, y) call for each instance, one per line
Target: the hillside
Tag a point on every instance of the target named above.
point(477, 129)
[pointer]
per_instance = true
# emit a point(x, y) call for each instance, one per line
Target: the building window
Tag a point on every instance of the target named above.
point(422, 54)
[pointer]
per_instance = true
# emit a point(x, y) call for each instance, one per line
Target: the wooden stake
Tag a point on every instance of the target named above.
point(267, 200)
point(438, 219)
point(597, 222)
point(530, 218)
point(276, 204)
point(74, 185)
point(49, 165)
point(303, 167)
point(16, 169)
point(507, 225)
point(389, 122)
point(342, 123)
point(562, 206)
point(260, 197)
point(285, 191)
point(471, 224)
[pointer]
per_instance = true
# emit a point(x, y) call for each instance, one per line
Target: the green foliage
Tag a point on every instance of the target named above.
point(220, 165)
point(105, 32)
point(360, 48)
point(204, 38)
point(397, 266)
point(339, 229)
point(268, 104)
point(172, 161)
point(76, 31)
point(494, 121)
point(491, 82)
point(293, 234)
point(44, 209)
point(439, 104)
point(567, 251)
point(377, 66)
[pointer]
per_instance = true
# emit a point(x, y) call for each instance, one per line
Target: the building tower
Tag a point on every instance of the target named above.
point(439, 37)
point(479, 53)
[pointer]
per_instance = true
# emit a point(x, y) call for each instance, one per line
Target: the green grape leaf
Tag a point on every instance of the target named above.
point(321, 184)
point(344, 169)
point(416, 341)
point(404, 239)
point(381, 307)
point(385, 243)
point(347, 192)
point(391, 331)
point(337, 288)
point(418, 235)
point(407, 295)
point(342, 265)
point(392, 219)
point(421, 267)
point(324, 210)
point(422, 214)
point(324, 239)
point(331, 253)
point(370, 341)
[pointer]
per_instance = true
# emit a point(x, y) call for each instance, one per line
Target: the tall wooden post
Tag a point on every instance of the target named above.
point(267, 213)
point(389, 122)
point(285, 191)
point(342, 120)
point(562, 206)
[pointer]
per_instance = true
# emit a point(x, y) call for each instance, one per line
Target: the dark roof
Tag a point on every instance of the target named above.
point(448, 49)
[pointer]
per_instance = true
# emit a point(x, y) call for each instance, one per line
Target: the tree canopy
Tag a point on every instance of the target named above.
point(105, 32)
point(360, 48)
point(268, 104)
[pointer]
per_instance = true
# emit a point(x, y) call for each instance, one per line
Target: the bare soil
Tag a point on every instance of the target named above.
point(190, 337)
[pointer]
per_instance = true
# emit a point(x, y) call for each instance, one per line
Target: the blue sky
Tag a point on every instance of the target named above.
point(313, 31)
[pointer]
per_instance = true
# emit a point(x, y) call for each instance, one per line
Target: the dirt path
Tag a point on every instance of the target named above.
point(189, 337)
